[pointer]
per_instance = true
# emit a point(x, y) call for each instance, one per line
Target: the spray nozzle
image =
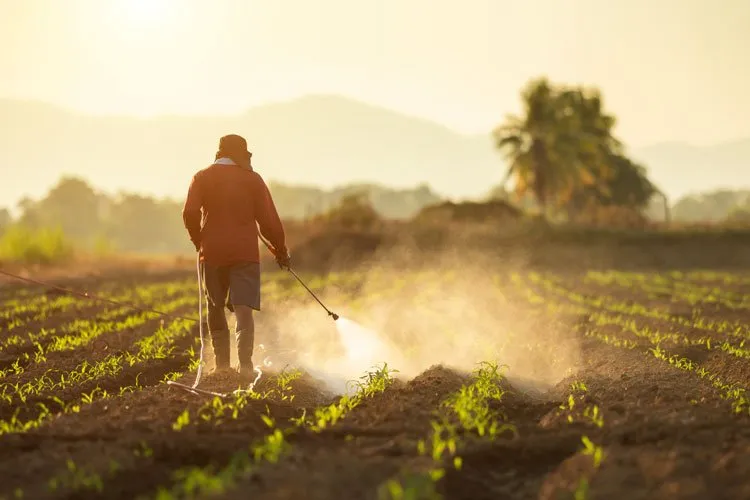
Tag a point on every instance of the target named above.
point(333, 315)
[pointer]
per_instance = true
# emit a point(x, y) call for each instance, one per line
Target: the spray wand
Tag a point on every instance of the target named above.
point(288, 268)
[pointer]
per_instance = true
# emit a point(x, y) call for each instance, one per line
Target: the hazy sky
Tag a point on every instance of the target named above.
point(670, 69)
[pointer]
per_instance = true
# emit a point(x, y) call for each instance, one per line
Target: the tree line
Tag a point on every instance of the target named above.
point(133, 222)
point(722, 205)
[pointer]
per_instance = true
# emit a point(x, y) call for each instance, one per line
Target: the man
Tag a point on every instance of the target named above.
point(223, 204)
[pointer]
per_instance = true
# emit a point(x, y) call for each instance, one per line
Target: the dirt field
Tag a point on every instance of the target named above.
point(617, 385)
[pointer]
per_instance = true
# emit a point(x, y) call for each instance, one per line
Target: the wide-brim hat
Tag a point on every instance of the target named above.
point(233, 144)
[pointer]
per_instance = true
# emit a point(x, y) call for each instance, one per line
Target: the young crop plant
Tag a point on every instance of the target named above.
point(183, 420)
point(594, 414)
point(284, 384)
point(578, 391)
point(597, 455)
point(471, 403)
point(412, 486)
point(575, 406)
point(367, 386)
point(596, 452)
point(468, 411)
point(78, 479)
point(274, 446)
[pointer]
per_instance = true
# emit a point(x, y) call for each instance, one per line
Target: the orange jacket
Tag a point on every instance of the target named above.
point(223, 204)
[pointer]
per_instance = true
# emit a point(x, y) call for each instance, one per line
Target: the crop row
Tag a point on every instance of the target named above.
point(650, 341)
point(82, 332)
point(29, 399)
point(576, 409)
point(655, 285)
point(733, 329)
point(20, 312)
point(464, 416)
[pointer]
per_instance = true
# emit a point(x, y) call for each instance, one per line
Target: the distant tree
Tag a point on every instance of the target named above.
point(143, 223)
point(711, 206)
point(530, 144)
point(354, 211)
point(5, 219)
point(29, 213)
point(545, 146)
point(562, 149)
point(72, 204)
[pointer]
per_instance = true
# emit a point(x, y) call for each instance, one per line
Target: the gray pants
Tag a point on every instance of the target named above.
point(236, 287)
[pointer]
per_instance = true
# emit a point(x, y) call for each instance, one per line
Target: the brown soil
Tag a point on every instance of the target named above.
point(667, 433)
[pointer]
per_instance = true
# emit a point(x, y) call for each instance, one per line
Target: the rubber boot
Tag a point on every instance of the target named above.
point(220, 343)
point(245, 343)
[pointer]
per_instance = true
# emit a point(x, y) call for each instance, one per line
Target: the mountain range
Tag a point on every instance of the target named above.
point(319, 140)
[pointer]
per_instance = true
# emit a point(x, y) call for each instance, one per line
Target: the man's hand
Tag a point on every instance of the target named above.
point(282, 258)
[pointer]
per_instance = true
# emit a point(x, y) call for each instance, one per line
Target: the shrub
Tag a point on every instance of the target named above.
point(739, 217)
point(34, 246)
point(354, 212)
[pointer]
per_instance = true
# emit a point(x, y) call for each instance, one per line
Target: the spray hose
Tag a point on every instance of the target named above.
point(199, 372)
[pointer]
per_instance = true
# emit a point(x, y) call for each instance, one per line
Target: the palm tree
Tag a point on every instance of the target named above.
point(591, 142)
point(550, 148)
point(624, 184)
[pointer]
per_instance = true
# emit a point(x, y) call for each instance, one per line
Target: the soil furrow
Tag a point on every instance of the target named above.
point(332, 464)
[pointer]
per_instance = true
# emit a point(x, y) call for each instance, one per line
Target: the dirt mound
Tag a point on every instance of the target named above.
point(469, 211)
point(440, 378)
point(307, 390)
point(408, 406)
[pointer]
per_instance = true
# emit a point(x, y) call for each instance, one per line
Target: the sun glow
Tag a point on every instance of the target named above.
point(145, 11)
point(140, 23)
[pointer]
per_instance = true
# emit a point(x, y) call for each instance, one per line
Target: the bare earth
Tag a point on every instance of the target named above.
point(674, 411)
